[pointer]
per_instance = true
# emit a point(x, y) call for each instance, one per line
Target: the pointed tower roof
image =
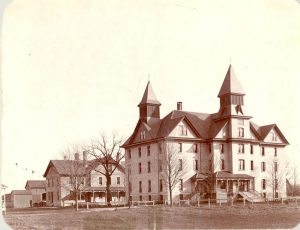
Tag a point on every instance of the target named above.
point(149, 96)
point(231, 84)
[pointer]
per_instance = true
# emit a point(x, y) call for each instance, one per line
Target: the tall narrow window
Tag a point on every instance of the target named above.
point(118, 180)
point(149, 197)
point(195, 146)
point(181, 185)
point(222, 148)
point(140, 186)
point(149, 185)
point(183, 130)
point(251, 149)
point(100, 180)
point(275, 166)
point(129, 153)
point(276, 184)
point(148, 150)
point(180, 164)
point(263, 166)
point(140, 152)
point(149, 167)
point(143, 135)
point(180, 147)
point(241, 164)
point(141, 198)
point(241, 148)
point(196, 165)
point(262, 151)
point(241, 132)
point(140, 168)
point(160, 185)
point(275, 152)
point(263, 183)
point(222, 164)
point(251, 165)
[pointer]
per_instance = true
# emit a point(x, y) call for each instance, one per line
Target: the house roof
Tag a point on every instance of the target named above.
point(149, 96)
point(80, 167)
point(231, 84)
point(20, 192)
point(36, 184)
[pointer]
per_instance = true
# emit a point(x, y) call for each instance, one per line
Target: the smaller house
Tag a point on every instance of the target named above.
point(21, 199)
point(38, 191)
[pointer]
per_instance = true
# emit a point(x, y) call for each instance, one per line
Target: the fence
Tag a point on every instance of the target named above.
point(142, 203)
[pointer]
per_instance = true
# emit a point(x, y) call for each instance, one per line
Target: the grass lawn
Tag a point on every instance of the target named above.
point(238, 217)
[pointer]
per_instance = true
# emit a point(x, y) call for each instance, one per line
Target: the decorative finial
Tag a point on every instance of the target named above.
point(148, 76)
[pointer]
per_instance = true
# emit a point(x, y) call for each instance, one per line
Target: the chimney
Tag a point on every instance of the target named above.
point(179, 105)
point(76, 156)
point(118, 157)
point(84, 155)
point(65, 157)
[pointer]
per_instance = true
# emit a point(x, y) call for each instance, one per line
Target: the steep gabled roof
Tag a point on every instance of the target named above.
point(36, 184)
point(265, 130)
point(216, 127)
point(149, 96)
point(231, 84)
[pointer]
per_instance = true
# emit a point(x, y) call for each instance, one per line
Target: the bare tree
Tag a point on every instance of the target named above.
point(107, 151)
point(292, 177)
point(75, 174)
point(276, 176)
point(173, 168)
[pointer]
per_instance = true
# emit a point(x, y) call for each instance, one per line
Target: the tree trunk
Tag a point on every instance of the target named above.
point(108, 193)
point(171, 199)
point(76, 200)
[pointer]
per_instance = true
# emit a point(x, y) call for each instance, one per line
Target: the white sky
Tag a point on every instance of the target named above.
point(74, 68)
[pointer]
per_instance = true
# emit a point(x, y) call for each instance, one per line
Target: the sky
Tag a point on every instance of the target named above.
point(73, 69)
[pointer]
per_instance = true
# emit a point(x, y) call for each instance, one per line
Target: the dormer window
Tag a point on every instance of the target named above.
point(274, 138)
point(183, 130)
point(143, 135)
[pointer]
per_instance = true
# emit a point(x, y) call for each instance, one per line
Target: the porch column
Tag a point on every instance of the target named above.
point(238, 185)
point(227, 190)
point(93, 196)
point(79, 195)
point(118, 195)
point(105, 198)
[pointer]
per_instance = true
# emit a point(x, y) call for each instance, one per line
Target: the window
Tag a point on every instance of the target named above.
point(118, 180)
point(251, 149)
point(196, 165)
point(183, 130)
point(149, 197)
point(222, 148)
point(181, 185)
point(141, 198)
point(263, 166)
point(195, 146)
point(263, 183)
point(180, 164)
point(140, 168)
point(57, 195)
point(274, 138)
point(241, 164)
point(160, 185)
point(140, 186)
point(160, 148)
point(222, 164)
point(140, 152)
point(262, 151)
point(148, 150)
point(276, 184)
point(143, 135)
point(241, 132)
point(160, 166)
point(275, 152)
point(149, 185)
point(149, 166)
point(275, 166)
point(180, 147)
point(223, 184)
point(251, 165)
point(129, 153)
point(241, 148)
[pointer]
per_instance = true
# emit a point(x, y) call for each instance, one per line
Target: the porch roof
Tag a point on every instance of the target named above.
point(103, 189)
point(228, 175)
point(199, 176)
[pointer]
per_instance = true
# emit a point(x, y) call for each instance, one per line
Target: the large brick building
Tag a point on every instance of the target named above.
point(242, 158)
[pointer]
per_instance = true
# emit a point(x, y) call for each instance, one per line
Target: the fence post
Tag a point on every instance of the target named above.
point(208, 202)
point(244, 201)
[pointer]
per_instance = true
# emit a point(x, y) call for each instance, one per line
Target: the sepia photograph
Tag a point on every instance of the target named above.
point(154, 114)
